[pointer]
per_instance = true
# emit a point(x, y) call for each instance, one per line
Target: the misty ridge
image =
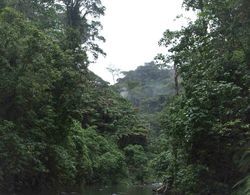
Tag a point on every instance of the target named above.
point(148, 82)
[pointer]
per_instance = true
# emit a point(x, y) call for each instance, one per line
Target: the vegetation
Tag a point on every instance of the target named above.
point(207, 126)
point(148, 88)
point(187, 122)
point(59, 123)
point(145, 86)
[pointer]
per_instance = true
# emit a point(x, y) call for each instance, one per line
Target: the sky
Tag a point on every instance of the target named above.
point(132, 29)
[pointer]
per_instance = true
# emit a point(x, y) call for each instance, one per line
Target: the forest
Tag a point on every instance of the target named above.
point(182, 119)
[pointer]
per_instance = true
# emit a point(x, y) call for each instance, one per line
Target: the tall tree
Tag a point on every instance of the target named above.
point(59, 124)
point(208, 124)
point(82, 24)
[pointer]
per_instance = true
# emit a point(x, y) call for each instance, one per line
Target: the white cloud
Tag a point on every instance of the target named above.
point(132, 29)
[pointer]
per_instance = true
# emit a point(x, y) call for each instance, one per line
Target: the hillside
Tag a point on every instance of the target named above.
point(147, 87)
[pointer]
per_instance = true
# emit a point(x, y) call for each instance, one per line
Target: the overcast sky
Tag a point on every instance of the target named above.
point(132, 29)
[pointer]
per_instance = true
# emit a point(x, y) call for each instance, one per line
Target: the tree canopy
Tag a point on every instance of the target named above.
point(60, 124)
point(183, 119)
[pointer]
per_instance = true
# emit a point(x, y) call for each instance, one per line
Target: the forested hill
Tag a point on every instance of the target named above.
point(147, 88)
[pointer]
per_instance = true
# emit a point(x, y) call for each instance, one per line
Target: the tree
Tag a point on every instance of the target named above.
point(115, 72)
point(82, 25)
point(58, 121)
point(206, 124)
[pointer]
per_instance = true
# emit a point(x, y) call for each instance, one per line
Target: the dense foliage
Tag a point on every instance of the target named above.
point(206, 128)
point(60, 125)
